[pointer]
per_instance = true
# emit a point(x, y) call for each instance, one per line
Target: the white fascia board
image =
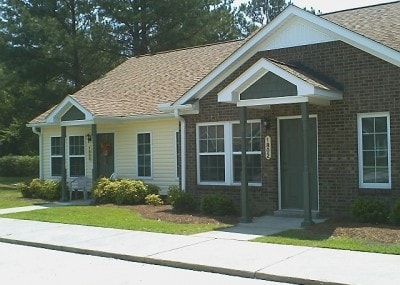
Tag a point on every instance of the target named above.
point(248, 49)
point(239, 57)
point(76, 123)
point(272, 101)
point(63, 107)
point(113, 120)
point(354, 39)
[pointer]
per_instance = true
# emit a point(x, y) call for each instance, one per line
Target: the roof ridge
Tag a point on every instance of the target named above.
point(187, 48)
point(358, 8)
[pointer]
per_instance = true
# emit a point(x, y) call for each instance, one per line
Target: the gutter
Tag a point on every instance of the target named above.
point(183, 149)
point(38, 131)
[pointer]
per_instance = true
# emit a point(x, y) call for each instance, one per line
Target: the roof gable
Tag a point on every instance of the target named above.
point(69, 112)
point(292, 20)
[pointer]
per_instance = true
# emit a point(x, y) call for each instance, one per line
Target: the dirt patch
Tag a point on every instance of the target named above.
point(167, 214)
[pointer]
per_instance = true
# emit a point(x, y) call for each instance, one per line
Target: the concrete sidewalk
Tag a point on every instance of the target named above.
point(211, 252)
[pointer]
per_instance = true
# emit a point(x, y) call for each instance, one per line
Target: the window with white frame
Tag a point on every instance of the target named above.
point(212, 153)
point(374, 150)
point(144, 154)
point(76, 156)
point(56, 156)
point(253, 152)
point(219, 152)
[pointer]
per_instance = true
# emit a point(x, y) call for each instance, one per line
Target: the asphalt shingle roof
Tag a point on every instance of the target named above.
point(380, 23)
point(138, 85)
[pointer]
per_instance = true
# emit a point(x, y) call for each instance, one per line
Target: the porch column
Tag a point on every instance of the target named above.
point(306, 184)
point(94, 154)
point(244, 185)
point(63, 162)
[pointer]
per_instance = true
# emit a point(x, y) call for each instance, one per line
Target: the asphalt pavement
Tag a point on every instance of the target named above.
point(226, 252)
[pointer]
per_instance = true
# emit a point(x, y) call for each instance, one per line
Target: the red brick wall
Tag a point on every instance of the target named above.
point(369, 85)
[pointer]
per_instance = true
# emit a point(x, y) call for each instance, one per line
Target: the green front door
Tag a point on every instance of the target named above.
point(291, 163)
point(105, 154)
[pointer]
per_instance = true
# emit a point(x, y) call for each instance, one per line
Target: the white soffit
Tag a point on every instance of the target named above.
point(297, 32)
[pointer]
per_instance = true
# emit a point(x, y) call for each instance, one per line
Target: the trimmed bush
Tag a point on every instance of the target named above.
point(19, 166)
point(370, 211)
point(154, 200)
point(43, 189)
point(173, 193)
point(153, 189)
point(120, 192)
point(184, 203)
point(217, 204)
point(394, 216)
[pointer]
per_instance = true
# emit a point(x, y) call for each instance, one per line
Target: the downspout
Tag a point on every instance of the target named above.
point(183, 148)
point(38, 131)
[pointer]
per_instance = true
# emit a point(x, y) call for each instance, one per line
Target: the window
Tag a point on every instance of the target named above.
point(76, 156)
point(253, 152)
point(219, 153)
point(374, 150)
point(56, 156)
point(144, 154)
point(211, 151)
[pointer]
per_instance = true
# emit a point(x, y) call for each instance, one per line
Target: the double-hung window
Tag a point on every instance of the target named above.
point(56, 156)
point(76, 156)
point(212, 153)
point(144, 154)
point(219, 153)
point(374, 150)
point(253, 152)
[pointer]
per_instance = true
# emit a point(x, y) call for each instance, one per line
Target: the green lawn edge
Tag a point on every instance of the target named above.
point(111, 217)
point(300, 238)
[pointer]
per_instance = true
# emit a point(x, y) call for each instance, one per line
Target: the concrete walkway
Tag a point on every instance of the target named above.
point(225, 252)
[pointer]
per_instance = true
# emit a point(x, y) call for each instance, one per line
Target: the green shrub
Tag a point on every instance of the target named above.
point(173, 193)
point(104, 191)
point(153, 189)
point(120, 192)
point(19, 166)
point(26, 191)
point(43, 189)
point(154, 200)
point(217, 204)
point(370, 211)
point(394, 216)
point(184, 203)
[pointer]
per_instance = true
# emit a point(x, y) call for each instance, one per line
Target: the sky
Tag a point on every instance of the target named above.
point(326, 6)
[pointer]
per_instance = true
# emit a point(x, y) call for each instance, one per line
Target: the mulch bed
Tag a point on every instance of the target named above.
point(373, 233)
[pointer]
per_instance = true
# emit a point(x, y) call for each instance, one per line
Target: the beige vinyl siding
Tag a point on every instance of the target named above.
point(163, 150)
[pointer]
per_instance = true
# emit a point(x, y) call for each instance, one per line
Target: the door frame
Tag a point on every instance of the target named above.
point(280, 118)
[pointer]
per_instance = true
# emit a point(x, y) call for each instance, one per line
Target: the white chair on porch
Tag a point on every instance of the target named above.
point(79, 184)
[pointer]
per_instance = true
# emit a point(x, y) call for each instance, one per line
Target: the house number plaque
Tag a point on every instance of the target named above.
point(268, 147)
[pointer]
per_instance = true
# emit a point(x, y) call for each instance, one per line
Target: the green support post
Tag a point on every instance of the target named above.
point(63, 162)
point(306, 180)
point(94, 154)
point(244, 185)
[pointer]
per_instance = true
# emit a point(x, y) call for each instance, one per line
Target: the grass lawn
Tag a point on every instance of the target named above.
point(10, 196)
point(111, 217)
point(323, 239)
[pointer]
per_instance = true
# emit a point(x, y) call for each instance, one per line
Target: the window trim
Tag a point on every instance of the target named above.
point(228, 153)
point(54, 156)
point(151, 155)
point(76, 155)
point(361, 184)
